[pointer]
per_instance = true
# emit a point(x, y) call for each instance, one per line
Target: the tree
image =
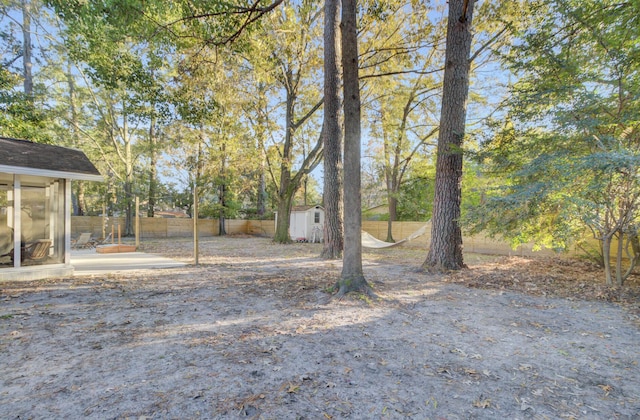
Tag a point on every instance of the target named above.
point(258, 112)
point(294, 58)
point(445, 251)
point(400, 85)
point(352, 278)
point(210, 116)
point(569, 149)
point(23, 100)
point(26, 48)
point(74, 127)
point(333, 204)
point(153, 34)
point(153, 166)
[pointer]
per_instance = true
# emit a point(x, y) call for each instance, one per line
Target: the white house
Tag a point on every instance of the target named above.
point(35, 207)
point(306, 223)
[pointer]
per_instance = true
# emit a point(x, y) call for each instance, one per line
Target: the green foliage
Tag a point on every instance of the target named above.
point(568, 153)
point(415, 200)
point(21, 118)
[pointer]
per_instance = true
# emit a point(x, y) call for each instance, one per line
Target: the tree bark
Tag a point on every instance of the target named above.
point(445, 252)
point(26, 47)
point(285, 195)
point(153, 168)
point(352, 278)
point(261, 207)
point(282, 224)
point(81, 198)
point(128, 180)
point(222, 230)
point(606, 255)
point(199, 168)
point(390, 174)
point(260, 128)
point(222, 190)
point(392, 201)
point(332, 190)
point(80, 207)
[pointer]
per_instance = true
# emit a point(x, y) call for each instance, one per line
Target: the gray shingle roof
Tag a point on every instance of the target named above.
point(23, 155)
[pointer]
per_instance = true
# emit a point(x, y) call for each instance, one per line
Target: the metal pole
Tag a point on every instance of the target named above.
point(196, 250)
point(137, 228)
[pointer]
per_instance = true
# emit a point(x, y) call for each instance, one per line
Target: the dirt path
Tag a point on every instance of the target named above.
point(248, 334)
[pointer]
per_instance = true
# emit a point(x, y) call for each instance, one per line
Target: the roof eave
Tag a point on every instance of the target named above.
point(19, 170)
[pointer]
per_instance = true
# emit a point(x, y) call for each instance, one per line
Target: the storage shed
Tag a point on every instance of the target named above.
point(35, 207)
point(306, 223)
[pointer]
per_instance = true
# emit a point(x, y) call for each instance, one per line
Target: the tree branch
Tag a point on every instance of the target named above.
point(297, 124)
point(488, 43)
point(395, 73)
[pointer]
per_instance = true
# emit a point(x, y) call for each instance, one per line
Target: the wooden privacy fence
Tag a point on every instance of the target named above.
point(478, 243)
point(154, 227)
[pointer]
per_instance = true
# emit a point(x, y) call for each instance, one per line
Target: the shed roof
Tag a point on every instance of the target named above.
point(305, 208)
point(25, 157)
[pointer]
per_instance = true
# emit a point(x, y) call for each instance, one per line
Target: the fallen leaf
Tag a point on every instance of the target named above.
point(606, 388)
point(471, 372)
point(482, 403)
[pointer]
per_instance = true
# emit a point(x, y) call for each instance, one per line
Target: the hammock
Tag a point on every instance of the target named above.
point(368, 241)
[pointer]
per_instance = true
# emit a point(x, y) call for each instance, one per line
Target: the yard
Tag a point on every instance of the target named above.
point(252, 332)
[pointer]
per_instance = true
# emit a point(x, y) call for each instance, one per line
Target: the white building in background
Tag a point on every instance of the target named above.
point(306, 223)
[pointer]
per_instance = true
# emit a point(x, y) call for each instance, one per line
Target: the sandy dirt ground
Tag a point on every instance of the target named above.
point(252, 333)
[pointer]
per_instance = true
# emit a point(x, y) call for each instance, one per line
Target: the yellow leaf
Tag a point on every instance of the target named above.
point(486, 403)
point(606, 388)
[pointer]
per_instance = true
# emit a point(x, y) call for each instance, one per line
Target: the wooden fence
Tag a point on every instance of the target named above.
point(478, 243)
point(156, 227)
point(151, 227)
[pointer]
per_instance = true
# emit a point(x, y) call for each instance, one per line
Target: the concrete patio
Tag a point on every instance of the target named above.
point(89, 262)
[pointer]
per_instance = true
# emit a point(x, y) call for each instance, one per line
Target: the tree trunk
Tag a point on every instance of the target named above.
point(285, 195)
point(26, 47)
point(111, 197)
point(222, 231)
point(620, 250)
point(262, 190)
point(196, 197)
point(153, 169)
point(196, 229)
point(80, 207)
point(128, 221)
point(352, 278)
point(261, 202)
point(445, 252)
point(222, 190)
point(393, 215)
point(606, 256)
point(332, 190)
point(81, 198)
point(282, 224)
point(128, 182)
point(389, 166)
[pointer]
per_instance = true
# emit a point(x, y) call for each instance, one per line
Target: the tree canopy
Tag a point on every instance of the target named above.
point(226, 96)
point(567, 152)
